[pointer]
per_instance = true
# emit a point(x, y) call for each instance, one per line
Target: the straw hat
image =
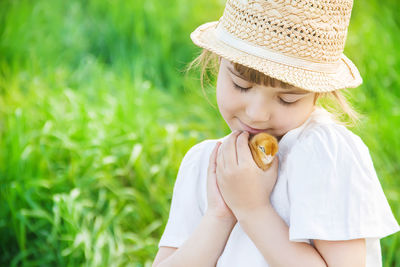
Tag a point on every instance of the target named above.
point(299, 42)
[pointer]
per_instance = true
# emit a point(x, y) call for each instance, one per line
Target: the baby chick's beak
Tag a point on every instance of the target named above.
point(266, 159)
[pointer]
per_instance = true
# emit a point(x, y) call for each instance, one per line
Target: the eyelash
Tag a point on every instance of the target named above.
point(243, 90)
point(286, 103)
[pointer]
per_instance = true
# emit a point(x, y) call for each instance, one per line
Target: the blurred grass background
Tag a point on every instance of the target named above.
point(96, 114)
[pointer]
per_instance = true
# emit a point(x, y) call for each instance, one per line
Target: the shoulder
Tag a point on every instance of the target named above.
point(199, 153)
point(329, 148)
point(331, 140)
point(191, 178)
point(330, 155)
point(331, 179)
point(201, 148)
point(321, 134)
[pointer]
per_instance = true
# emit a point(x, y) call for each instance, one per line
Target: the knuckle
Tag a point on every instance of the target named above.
point(242, 140)
point(229, 172)
point(232, 171)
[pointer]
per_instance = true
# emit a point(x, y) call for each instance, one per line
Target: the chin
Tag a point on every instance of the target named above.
point(278, 136)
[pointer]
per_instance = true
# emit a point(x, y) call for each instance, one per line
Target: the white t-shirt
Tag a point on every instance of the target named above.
point(327, 189)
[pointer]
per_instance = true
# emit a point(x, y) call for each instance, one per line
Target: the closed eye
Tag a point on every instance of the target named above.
point(242, 89)
point(283, 102)
point(289, 99)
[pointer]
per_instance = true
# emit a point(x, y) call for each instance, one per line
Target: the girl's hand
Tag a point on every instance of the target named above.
point(243, 185)
point(216, 205)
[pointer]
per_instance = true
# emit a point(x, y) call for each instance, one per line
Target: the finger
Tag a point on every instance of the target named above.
point(212, 162)
point(220, 158)
point(243, 150)
point(275, 164)
point(211, 173)
point(229, 148)
point(273, 168)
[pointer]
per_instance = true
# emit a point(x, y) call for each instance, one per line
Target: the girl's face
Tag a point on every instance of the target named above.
point(257, 108)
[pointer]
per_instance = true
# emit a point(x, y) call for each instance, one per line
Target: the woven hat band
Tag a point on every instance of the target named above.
point(224, 36)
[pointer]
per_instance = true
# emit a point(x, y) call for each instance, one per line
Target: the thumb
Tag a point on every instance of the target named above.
point(274, 165)
point(212, 164)
point(276, 161)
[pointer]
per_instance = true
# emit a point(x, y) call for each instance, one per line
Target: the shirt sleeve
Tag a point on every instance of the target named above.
point(334, 191)
point(188, 199)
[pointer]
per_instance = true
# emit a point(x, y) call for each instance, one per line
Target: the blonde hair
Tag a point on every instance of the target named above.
point(335, 102)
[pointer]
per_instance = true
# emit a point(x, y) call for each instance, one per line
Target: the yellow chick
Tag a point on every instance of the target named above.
point(263, 147)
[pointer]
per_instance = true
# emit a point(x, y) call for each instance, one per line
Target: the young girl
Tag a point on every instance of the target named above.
point(320, 203)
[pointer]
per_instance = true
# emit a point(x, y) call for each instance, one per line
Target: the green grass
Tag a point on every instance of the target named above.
point(96, 114)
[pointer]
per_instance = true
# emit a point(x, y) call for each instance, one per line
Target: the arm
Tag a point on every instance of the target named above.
point(205, 245)
point(270, 234)
point(347, 253)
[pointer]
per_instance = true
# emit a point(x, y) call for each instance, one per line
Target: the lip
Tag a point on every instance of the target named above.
point(251, 129)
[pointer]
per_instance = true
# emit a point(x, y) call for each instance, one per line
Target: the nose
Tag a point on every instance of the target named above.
point(258, 109)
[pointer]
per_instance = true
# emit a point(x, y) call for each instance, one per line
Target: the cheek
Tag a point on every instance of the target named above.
point(285, 120)
point(227, 99)
point(290, 118)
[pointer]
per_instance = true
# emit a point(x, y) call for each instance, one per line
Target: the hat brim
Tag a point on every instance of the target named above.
point(346, 76)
